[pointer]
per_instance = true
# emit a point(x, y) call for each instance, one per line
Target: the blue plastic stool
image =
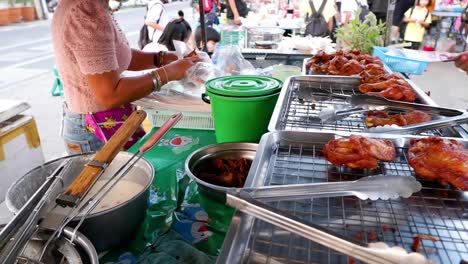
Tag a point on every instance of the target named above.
point(57, 88)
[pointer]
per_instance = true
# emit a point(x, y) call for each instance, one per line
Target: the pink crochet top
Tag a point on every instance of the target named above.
point(86, 41)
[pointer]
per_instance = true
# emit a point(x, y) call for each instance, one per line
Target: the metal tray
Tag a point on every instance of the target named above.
point(287, 157)
point(293, 113)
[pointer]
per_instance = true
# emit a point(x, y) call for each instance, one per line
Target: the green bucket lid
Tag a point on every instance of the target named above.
point(243, 85)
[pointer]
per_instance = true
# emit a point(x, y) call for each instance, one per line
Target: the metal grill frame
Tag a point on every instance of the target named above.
point(287, 157)
point(293, 113)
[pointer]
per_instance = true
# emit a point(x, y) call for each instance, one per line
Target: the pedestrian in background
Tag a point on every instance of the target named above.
point(178, 29)
point(379, 8)
point(236, 9)
point(401, 6)
point(156, 19)
point(212, 37)
point(349, 9)
point(328, 12)
point(418, 19)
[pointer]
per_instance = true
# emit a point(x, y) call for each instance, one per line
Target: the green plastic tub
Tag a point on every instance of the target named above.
point(241, 106)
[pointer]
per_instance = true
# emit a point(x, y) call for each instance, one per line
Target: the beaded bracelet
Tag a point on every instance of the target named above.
point(161, 57)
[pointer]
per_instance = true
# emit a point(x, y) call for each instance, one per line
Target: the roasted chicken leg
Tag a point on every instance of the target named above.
point(358, 152)
point(439, 159)
point(382, 118)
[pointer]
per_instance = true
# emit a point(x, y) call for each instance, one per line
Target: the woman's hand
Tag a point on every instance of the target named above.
point(237, 20)
point(176, 70)
point(461, 61)
point(169, 57)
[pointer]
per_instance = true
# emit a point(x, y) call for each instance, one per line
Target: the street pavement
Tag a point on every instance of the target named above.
point(27, 60)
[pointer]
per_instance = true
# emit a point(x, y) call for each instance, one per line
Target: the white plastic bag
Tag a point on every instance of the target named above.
point(229, 59)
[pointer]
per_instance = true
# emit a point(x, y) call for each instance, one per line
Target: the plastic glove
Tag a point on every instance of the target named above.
point(176, 70)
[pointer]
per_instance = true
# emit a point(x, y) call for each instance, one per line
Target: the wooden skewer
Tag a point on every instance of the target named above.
point(88, 175)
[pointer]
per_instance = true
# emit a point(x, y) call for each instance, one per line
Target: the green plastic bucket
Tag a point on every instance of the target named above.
point(241, 106)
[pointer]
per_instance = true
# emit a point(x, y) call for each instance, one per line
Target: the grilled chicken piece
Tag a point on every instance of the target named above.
point(352, 67)
point(382, 118)
point(367, 77)
point(379, 86)
point(317, 60)
point(336, 64)
point(358, 152)
point(397, 93)
point(374, 69)
point(415, 117)
point(439, 159)
point(368, 59)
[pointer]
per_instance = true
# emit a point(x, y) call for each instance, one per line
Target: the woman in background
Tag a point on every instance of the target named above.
point(401, 6)
point(418, 19)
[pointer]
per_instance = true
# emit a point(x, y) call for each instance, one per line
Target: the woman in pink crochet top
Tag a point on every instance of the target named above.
point(91, 52)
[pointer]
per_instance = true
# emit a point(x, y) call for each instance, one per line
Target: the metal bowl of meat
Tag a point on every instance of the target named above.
point(219, 167)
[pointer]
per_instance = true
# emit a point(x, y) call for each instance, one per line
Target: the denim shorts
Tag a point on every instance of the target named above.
point(77, 138)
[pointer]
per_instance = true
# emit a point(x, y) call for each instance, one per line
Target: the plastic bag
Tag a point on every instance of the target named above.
point(183, 50)
point(197, 75)
point(446, 44)
point(229, 59)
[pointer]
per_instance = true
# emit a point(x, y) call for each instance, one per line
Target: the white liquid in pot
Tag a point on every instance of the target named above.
point(123, 191)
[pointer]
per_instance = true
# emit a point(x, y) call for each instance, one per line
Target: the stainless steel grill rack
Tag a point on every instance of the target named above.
point(296, 112)
point(295, 157)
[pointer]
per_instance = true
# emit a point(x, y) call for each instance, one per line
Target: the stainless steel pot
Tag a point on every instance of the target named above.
point(259, 36)
point(107, 228)
point(79, 252)
point(224, 150)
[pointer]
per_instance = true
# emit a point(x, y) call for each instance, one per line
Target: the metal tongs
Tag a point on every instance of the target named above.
point(373, 253)
point(249, 200)
point(375, 187)
point(362, 103)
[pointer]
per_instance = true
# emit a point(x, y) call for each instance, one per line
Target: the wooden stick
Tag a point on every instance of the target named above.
point(89, 174)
